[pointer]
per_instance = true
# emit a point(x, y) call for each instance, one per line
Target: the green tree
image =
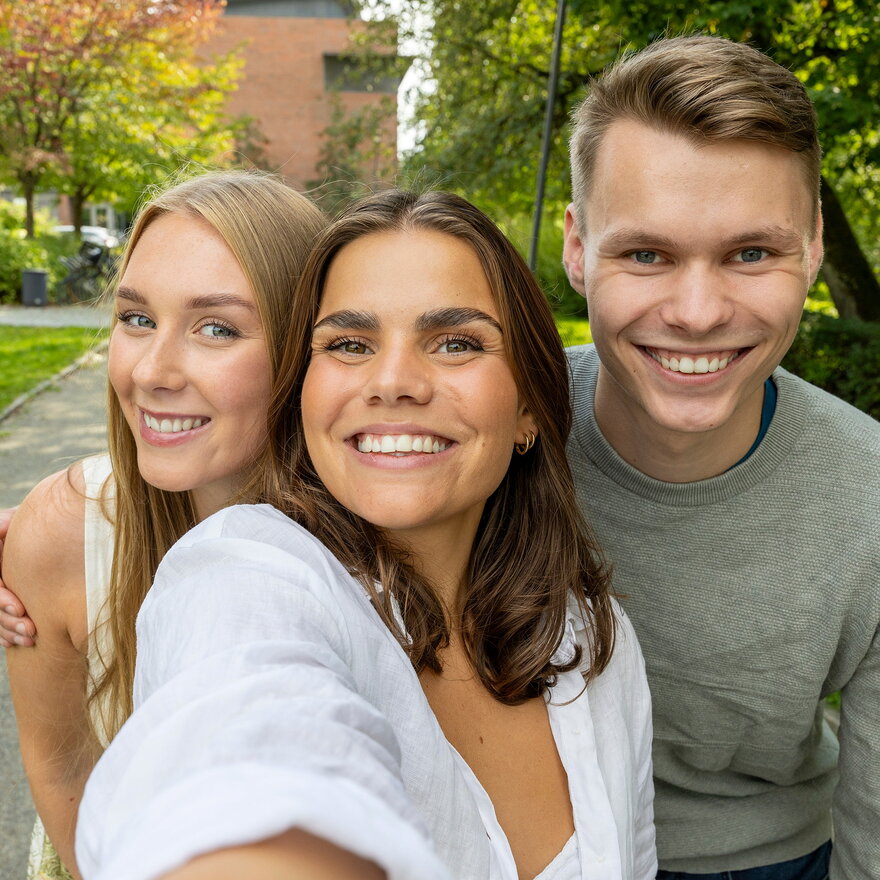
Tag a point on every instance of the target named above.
point(128, 135)
point(61, 60)
point(481, 105)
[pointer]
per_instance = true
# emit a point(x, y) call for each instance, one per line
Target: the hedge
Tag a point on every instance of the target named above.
point(841, 355)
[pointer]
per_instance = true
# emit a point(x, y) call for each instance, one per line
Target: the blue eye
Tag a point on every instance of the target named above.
point(217, 331)
point(751, 255)
point(134, 319)
point(646, 258)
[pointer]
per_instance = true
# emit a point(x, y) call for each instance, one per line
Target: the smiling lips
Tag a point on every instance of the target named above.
point(709, 362)
point(173, 425)
point(400, 444)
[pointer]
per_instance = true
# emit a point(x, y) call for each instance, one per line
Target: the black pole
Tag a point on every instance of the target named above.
point(548, 131)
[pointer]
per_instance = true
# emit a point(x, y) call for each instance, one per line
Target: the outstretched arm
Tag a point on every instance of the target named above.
point(249, 722)
point(16, 628)
point(293, 855)
point(45, 565)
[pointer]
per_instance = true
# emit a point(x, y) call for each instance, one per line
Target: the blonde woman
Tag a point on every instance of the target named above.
point(203, 302)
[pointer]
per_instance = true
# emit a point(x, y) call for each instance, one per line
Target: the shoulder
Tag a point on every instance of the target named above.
point(582, 356)
point(830, 419)
point(247, 575)
point(250, 551)
point(256, 530)
point(43, 556)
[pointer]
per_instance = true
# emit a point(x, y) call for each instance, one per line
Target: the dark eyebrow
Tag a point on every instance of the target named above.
point(454, 317)
point(434, 320)
point(349, 319)
point(195, 303)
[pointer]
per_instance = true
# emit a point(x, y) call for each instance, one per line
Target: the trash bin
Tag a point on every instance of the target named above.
point(33, 287)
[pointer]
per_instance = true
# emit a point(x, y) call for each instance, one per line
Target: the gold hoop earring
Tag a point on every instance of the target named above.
point(527, 444)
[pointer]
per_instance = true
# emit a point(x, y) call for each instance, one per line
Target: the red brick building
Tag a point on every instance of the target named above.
point(292, 52)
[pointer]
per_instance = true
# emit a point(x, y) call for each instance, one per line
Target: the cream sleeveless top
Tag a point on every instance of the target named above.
point(43, 861)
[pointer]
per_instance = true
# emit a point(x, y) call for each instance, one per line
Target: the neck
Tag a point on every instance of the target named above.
point(207, 501)
point(676, 456)
point(441, 555)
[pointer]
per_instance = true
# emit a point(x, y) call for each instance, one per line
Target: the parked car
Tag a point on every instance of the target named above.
point(94, 235)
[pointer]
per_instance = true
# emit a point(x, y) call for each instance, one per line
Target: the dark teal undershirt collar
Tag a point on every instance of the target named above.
point(767, 410)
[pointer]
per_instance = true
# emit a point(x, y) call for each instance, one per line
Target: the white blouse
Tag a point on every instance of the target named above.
point(269, 695)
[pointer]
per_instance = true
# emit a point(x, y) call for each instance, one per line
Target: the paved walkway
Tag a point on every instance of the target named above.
point(58, 426)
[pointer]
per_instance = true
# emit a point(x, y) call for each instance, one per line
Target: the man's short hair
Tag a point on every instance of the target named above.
point(706, 88)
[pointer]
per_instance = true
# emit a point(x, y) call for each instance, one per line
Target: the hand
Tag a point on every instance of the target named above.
point(16, 628)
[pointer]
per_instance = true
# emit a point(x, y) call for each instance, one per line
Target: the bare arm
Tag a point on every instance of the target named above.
point(294, 855)
point(16, 628)
point(44, 565)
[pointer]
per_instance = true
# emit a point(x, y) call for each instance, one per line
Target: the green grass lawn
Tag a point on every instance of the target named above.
point(28, 355)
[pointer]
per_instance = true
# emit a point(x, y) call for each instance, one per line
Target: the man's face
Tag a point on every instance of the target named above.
point(695, 261)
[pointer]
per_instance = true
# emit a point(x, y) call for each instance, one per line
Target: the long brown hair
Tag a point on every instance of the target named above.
point(533, 552)
point(269, 228)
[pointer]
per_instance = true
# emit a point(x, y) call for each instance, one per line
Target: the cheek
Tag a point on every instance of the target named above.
point(120, 363)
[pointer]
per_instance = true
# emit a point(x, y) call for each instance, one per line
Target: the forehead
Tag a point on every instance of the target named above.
point(407, 271)
point(710, 191)
point(179, 254)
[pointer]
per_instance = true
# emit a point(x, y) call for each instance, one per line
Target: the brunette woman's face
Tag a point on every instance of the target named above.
point(409, 404)
point(188, 361)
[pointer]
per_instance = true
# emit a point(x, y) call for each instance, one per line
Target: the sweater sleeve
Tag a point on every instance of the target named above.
point(247, 722)
point(856, 805)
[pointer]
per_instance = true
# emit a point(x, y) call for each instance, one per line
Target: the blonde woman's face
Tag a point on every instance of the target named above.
point(188, 361)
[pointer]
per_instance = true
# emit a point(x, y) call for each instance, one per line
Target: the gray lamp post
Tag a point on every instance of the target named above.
point(548, 131)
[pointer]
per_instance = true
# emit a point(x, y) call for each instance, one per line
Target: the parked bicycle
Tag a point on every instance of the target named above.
point(89, 272)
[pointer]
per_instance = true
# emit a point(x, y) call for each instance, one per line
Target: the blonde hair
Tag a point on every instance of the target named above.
point(270, 229)
point(706, 88)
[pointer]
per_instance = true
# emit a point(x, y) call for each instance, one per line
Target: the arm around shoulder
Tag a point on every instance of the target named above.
point(44, 566)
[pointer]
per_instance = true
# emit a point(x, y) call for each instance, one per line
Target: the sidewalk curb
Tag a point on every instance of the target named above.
point(81, 361)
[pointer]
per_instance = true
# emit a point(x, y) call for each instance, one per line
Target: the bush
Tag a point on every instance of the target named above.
point(16, 254)
point(841, 355)
point(43, 252)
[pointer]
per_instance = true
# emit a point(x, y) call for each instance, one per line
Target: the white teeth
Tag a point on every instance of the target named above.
point(688, 364)
point(391, 444)
point(171, 426)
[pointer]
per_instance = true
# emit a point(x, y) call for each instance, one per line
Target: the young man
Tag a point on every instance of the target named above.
point(739, 505)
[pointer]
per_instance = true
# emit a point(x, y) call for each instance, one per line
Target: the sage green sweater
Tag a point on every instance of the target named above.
point(754, 594)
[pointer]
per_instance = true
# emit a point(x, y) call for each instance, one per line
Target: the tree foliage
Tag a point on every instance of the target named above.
point(482, 102)
point(97, 94)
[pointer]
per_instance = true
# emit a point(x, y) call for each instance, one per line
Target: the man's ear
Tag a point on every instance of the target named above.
point(573, 252)
point(815, 250)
